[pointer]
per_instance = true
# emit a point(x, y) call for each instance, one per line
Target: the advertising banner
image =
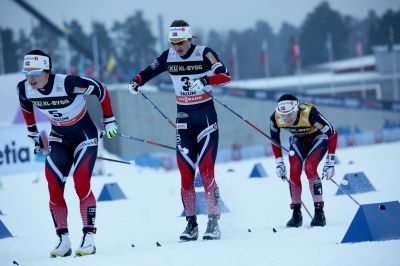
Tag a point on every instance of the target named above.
point(16, 150)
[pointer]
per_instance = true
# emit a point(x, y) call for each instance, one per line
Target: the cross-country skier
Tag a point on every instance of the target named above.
point(312, 136)
point(192, 68)
point(72, 141)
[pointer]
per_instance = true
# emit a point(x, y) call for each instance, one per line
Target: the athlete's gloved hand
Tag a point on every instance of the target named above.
point(280, 168)
point(37, 141)
point(198, 84)
point(134, 87)
point(329, 168)
point(135, 84)
point(110, 127)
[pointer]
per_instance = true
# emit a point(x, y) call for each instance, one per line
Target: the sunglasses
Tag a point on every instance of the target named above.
point(178, 42)
point(34, 73)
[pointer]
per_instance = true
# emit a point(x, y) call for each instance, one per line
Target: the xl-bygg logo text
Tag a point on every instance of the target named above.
point(13, 154)
point(179, 68)
point(44, 103)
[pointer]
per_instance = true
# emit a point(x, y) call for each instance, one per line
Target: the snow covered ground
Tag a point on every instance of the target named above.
point(152, 214)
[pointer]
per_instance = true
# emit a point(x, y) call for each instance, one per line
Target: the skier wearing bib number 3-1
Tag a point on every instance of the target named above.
point(72, 141)
point(193, 69)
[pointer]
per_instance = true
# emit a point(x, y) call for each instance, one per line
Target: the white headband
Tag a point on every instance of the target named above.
point(37, 61)
point(179, 33)
point(287, 107)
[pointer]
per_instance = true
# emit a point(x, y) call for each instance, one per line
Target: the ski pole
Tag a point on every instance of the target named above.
point(158, 109)
point(44, 151)
point(115, 160)
point(302, 203)
point(291, 153)
point(148, 142)
point(334, 182)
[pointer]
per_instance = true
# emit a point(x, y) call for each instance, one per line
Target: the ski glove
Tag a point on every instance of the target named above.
point(37, 141)
point(198, 84)
point(110, 127)
point(280, 168)
point(134, 87)
point(329, 168)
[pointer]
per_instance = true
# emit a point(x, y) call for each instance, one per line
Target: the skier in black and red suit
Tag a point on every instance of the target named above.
point(192, 68)
point(72, 142)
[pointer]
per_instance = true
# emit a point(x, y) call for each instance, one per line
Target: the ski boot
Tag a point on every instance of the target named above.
point(63, 248)
point(319, 216)
point(297, 218)
point(192, 230)
point(87, 246)
point(212, 232)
